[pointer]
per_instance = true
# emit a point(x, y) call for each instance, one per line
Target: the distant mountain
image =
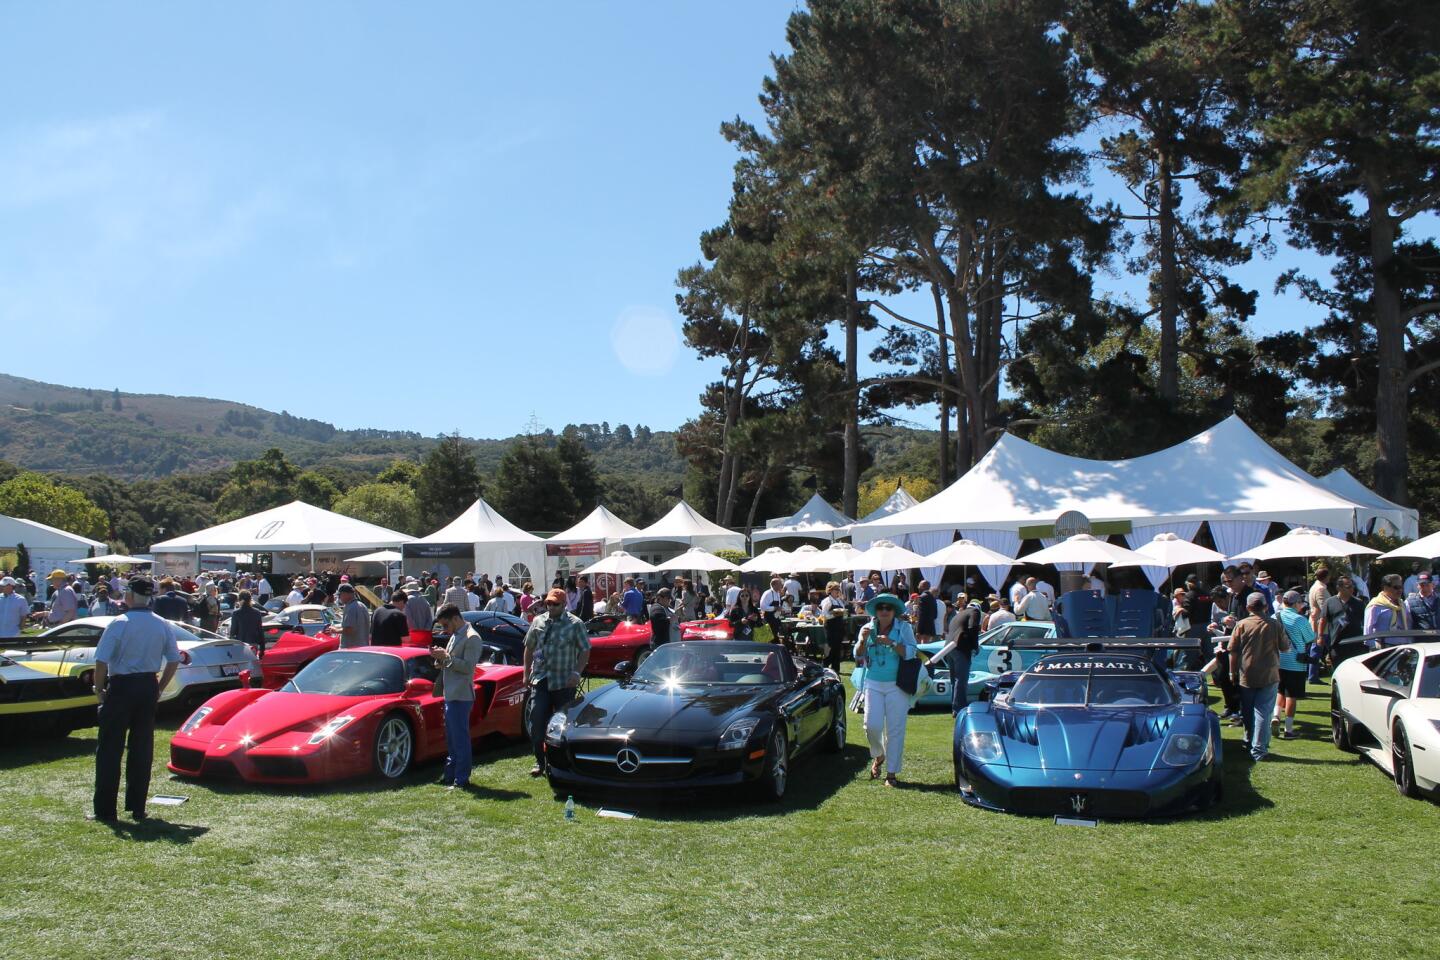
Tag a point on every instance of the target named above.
point(76, 430)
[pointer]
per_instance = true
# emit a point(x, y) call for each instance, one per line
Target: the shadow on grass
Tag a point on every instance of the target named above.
point(814, 778)
point(155, 830)
point(45, 749)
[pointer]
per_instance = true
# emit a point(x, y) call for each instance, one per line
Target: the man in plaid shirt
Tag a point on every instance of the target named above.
point(556, 651)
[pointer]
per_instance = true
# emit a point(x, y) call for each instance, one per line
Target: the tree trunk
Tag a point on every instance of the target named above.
point(1392, 463)
point(970, 383)
point(1169, 385)
point(851, 492)
point(759, 492)
point(727, 456)
point(944, 387)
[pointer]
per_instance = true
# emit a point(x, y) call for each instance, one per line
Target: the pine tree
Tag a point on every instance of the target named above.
point(448, 482)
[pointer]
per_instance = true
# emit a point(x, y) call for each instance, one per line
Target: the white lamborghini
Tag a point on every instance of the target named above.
point(1386, 706)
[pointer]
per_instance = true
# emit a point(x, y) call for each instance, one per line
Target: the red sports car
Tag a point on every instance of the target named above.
point(363, 711)
point(291, 653)
point(614, 640)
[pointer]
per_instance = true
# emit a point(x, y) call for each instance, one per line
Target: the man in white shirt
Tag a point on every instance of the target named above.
point(14, 608)
point(294, 598)
point(1046, 589)
point(792, 588)
point(1000, 616)
point(732, 594)
point(263, 590)
point(1018, 591)
point(771, 599)
point(1035, 606)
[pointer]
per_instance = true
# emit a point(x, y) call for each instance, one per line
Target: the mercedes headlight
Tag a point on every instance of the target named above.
point(1183, 749)
point(196, 719)
point(330, 729)
point(555, 729)
point(738, 733)
point(983, 745)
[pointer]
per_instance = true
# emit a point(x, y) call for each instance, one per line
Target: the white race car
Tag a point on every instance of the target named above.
point(208, 663)
point(1386, 705)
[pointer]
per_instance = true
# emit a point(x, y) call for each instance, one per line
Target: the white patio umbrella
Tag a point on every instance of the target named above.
point(1303, 543)
point(621, 563)
point(966, 553)
point(837, 557)
point(379, 556)
point(884, 555)
point(112, 559)
point(1169, 551)
point(1086, 549)
point(774, 560)
point(1426, 548)
point(698, 559)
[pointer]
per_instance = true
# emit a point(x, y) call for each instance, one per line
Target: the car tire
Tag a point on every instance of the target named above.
point(1339, 726)
point(836, 735)
point(394, 749)
point(525, 712)
point(1402, 763)
point(776, 778)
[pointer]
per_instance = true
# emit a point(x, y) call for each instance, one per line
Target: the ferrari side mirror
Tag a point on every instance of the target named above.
point(418, 687)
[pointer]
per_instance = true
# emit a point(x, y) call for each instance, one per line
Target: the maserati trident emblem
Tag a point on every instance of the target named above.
point(1077, 802)
point(628, 760)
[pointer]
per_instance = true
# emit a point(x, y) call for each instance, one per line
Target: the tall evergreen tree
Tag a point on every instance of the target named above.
point(448, 482)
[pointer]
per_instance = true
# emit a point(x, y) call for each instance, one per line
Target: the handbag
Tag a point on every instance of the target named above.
point(907, 676)
point(764, 633)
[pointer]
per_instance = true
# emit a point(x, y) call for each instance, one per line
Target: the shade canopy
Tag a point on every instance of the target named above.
point(837, 557)
point(1374, 509)
point(1302, 543)
point(113, 559)
point(1169, 551)
point(296, 526)
point(684, 524)
point(34, 534)
point(967, 553)
point(1086, 549)
point(1426, 548)
point(773, 560)
point(884, 555)
point(808, 558)
point(697, 559)
point(491, 543)
point(379, 556)
point(621, 563)
point(1226, 472)
point(599, 524)
point(816, 520)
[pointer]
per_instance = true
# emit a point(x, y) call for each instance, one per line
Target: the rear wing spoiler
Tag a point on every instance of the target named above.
point(1102, 644)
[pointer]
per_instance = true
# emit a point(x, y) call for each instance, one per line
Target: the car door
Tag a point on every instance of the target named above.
point(806, 705)
point(1396, 674)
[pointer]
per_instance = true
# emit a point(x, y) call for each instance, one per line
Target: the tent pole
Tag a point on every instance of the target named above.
point(312, 558)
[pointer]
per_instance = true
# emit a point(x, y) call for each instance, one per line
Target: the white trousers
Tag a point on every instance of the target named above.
point(886, 709)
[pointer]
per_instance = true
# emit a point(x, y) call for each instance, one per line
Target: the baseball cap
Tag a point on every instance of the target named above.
point(141, 586)
point(555, 595)
point(1423, 578)
point(1263, 575)
point(345, 588)
point(57, 573)
point(7, 581)
point(1292, 597)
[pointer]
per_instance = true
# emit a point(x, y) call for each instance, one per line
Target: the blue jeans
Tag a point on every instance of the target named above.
point(544, 704)
point(457, 741)
point(1257, 705)
point(1315, 654)
point(959, 680)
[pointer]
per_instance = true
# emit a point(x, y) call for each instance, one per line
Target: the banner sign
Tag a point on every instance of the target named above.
point(426, 550)
point(1098, 528)
point(587, 548)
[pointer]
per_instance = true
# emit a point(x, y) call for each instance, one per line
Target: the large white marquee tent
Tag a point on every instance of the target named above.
point(298, 535)
point(480, 539)
point(683, 525)
point(1403, 522)
point(817, 520)
point(600, 534)
point(50, 548)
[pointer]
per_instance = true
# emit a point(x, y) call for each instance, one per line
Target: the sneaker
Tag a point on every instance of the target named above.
point(537, 771)
point(1289, 735)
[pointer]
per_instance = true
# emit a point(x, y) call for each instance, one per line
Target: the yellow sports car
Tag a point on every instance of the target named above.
point(34, 703)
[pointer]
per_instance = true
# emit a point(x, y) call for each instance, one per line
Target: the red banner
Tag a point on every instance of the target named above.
point(589, 548)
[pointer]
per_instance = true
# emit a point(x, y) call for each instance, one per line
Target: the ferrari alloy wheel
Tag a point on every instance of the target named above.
point(835, 737)
point(1339, 726)
point(394, 747)
point(1401, 763)
point(777, 766)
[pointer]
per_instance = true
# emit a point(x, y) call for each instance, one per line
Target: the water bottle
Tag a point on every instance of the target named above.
point(569, 809)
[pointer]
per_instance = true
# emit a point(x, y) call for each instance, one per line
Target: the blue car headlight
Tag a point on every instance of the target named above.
point(983, 745)
point(1184, 749)
point(738, 734)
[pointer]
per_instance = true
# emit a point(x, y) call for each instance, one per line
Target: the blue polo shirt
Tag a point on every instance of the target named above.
point(633, 602)
point(137, 642)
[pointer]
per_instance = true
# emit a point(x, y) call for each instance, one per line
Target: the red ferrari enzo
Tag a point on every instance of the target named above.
point(349, 713)
point(614, 640)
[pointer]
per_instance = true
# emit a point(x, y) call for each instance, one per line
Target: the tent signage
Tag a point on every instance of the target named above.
point(1098, 528)
point(586, 548)
point(422, 551)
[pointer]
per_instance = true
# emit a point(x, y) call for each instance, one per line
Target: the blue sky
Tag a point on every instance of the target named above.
point(434, 217)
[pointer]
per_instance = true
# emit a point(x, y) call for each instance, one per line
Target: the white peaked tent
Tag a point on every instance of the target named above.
point(494, 545)
point(1404, 521)
point(598, 535)
point(319, 537)
point(817, 520)
point(897, 502)
point(50, 547)
point(1227, 473)
point(684, 525)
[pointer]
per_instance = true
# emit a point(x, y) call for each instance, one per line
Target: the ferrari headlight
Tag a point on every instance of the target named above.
point(983, 745)
point(1183, 749)
point(196, 719)
point(330, 729)
point(738, 734)
point(555, 729)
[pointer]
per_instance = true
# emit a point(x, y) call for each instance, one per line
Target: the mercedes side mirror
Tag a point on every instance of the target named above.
point(625, 668)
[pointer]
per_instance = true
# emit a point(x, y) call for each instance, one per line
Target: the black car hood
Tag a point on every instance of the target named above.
point(645, 707)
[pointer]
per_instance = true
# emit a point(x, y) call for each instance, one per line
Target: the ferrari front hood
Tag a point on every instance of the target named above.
point(277, 713)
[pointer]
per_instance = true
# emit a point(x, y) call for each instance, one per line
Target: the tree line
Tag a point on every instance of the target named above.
point(926, 169)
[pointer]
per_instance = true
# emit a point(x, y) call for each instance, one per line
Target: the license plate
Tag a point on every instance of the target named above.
point(1076, 822)
point(230, 670)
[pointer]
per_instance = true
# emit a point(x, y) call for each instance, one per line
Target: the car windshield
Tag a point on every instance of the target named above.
point(685, 664)
point(344, 673)
point(1430, 678)
point(1091, 689)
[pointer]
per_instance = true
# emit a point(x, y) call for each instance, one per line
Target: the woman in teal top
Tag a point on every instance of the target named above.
point(883, 643)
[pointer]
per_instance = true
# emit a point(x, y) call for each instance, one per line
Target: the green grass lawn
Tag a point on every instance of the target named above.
point(1312, 855)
